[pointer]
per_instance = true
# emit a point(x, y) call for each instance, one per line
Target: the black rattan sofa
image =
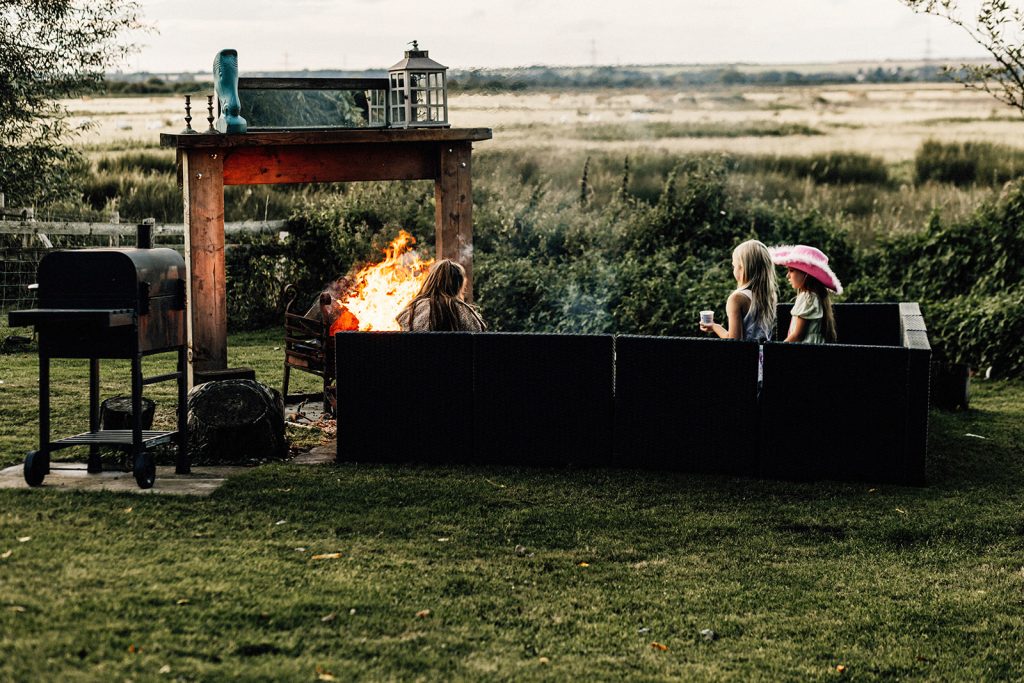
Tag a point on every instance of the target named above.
point(851, 411)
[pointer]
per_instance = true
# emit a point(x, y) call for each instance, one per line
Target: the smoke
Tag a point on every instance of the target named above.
point(585, 312)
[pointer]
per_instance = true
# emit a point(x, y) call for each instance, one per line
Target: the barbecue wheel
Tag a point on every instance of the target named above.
point(36, 467)
point(145, 470)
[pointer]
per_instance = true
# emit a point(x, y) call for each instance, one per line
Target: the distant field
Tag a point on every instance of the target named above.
point(889, 121)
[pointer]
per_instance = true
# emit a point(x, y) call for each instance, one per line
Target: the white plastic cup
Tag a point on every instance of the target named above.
point(707, 317)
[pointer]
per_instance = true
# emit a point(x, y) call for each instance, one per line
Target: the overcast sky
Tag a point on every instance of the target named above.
point(364, 34)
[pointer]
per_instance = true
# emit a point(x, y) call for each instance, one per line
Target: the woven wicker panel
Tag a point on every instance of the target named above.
point(543, 399)
point(837, 412)
point(860, 324)
point(686, 404)
point(914, 459)
point(405, 396)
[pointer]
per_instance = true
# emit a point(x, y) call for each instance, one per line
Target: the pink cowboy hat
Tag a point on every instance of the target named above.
point(808, 260)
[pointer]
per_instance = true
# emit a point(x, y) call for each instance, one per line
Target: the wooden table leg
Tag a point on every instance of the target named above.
point(453, 194)
point(203, 182)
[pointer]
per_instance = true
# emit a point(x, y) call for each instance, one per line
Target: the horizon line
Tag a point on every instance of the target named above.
point(885, 60)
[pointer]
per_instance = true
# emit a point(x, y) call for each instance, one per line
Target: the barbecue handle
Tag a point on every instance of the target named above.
point(106, 317)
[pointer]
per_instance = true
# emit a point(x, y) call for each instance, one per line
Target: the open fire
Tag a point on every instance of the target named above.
point(370, 299)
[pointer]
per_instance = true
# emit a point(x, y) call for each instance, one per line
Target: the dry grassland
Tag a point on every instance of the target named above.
point(889, 121)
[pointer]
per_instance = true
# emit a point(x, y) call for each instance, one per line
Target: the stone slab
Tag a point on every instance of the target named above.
point(319, 455)
point(72, 476)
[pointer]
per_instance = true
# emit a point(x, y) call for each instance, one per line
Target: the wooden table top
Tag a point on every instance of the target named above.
point(324, 137)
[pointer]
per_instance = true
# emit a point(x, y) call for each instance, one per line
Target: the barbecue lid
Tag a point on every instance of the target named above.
point(81, 274)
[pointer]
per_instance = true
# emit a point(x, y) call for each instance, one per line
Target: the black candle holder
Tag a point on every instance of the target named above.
point(189, 130)
point(209, 115)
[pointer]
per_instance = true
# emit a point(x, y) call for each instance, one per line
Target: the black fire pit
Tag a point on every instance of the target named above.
point(110, 303)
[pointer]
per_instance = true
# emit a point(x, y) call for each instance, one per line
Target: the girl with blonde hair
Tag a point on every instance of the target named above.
point(750, 309)
point(440, 304)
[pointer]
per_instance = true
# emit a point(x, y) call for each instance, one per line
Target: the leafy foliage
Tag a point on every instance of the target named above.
point(51, 50)
point(598, 243)
point(967, 277)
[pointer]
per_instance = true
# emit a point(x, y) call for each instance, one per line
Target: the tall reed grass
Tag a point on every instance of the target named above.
point(968, 163)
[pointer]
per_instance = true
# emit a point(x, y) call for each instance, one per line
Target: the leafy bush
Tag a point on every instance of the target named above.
point(980, 329)
point(640, 247)
point(628, 265)
point(967, 277)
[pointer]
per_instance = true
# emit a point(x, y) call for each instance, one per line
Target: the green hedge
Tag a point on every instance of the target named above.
point(640, 245)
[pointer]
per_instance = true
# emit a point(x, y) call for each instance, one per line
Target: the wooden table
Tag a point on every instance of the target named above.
point(211, 161)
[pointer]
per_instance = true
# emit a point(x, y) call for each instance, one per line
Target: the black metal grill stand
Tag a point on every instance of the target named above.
point(137, 441)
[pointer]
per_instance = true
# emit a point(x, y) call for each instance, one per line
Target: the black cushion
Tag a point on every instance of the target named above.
point(860, 324)
point(686, 404)
point(543, 399)
point(405, 396)
point(840, 412)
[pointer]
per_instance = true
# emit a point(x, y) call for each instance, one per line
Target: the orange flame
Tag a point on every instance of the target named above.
point(380, 291)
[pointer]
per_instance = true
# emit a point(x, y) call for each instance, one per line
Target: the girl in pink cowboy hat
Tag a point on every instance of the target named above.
point(808, 272)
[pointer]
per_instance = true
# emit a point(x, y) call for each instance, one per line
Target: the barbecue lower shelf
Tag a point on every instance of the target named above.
point(115, 437)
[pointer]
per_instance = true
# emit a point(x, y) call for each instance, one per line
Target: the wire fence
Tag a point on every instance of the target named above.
point(24, 242)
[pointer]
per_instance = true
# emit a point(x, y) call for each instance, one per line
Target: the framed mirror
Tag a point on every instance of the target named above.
point(280, 104)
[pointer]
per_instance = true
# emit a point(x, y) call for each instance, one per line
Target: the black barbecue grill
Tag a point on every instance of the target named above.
point(110, 303)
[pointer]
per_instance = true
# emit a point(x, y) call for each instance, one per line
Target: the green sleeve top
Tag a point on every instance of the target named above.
point(808, 307)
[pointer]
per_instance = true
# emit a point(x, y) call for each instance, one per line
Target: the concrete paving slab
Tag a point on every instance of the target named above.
point(72, 476)
point(319, 455)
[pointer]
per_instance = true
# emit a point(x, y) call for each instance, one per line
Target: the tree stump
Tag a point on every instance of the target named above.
point(235, 421)
point(116, 413)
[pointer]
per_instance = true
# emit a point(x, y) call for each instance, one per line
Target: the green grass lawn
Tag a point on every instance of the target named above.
point(794, 579)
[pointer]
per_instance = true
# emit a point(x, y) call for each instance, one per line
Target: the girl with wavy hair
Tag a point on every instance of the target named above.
point(440, 305)
point(807, 270)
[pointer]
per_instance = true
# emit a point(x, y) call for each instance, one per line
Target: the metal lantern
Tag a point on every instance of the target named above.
point(377, 102)
point(418, 91)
